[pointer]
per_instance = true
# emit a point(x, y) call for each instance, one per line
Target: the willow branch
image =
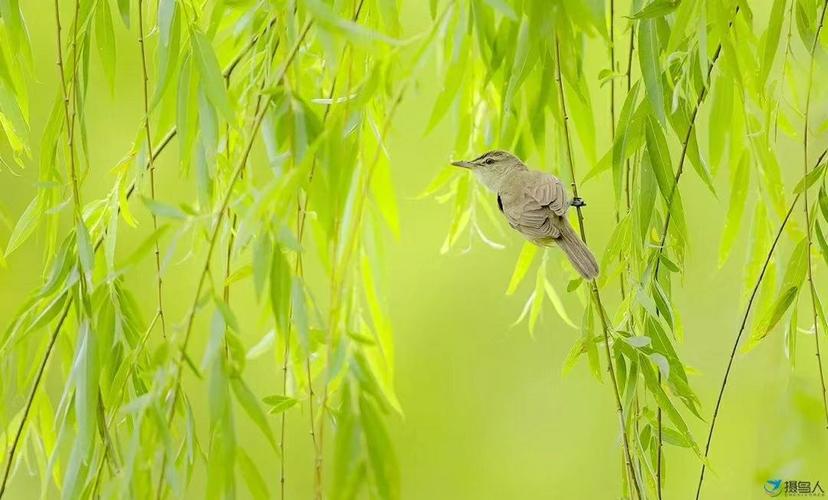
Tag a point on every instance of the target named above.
point(214, 232)
point(745, 316)
point(30, 400)
point(679, 171)
point(159, 148)
point(684, 147)
point(145, 86)
point(805, 133)
point(594, 286)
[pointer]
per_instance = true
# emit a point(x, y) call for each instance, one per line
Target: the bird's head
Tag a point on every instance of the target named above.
point(492, 167)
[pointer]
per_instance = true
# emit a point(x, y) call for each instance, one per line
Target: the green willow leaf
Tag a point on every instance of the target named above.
point(739, 184)
point(280, 285)
point(627, 128)
point(813, 176)
point(783, 302)
point(105, 40)
point(797, 264)
point(521, 63)
point(771, 39)
point(85, 251)
point(589, 341)
point(250, 405)
point(557, 303)
point(164, 210)
point(381, 456)
point(664, 402)
point(504, 8)
point(790, 338)
point(649, 53)
point(252, 477)
point(659, 155)
point(279, 404)
point(210, 73)
point(657, 8)
point(123, 8)
point(823, 203)
point(527, 255)
point(169, 41)
point(572, 357)
point(538, 294)
point(823, 243)
point(26, 225)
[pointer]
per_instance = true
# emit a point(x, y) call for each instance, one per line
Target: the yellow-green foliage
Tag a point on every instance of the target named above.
point(242, 233)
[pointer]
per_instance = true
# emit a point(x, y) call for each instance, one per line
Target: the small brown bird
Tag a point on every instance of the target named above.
point(535, 204)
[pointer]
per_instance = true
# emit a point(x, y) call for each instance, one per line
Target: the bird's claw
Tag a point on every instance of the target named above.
point(577, 202)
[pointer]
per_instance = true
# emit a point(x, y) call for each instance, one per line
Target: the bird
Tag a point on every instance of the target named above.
point(534, 204)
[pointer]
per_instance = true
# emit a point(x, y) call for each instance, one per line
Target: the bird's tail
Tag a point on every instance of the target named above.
point(577, 252)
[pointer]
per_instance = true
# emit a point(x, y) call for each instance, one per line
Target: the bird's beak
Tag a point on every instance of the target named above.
point(463, 164)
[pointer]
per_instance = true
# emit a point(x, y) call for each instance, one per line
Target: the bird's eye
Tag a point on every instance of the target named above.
point(488, 161)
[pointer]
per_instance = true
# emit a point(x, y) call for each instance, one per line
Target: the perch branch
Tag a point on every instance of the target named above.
point(594, 286)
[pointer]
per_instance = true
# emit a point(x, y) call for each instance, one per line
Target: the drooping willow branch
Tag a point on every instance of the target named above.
point(344, 261)
point(216, 227)
point(663, 241)
point(145, 87)
point(159, 148)
point(301, 218)
point(594, 286)
point(742, 326)
point(30, 400)
point(684, 148)
point(807, 214)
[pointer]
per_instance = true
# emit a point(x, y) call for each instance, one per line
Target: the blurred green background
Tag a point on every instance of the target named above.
point(488, 414)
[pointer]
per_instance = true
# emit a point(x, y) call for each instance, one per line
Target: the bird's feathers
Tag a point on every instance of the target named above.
point(535, 204)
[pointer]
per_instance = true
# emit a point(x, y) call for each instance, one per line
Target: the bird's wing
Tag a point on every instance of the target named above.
point(533, 202)
point(548, 191)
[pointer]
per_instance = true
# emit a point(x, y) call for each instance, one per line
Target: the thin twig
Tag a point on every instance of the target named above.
point(231, 239)
point(782, 70)
point(120, 394)
point(317, 439)
point(679, 171)
point(684, 147)
point(612, 115)
point(159, 148)
point(594, 286)
point(805, 133)
point(627, 170)
point(344, 262)
point(213, 239)
point(30, 400)
point(145, 82)
point(739, 335)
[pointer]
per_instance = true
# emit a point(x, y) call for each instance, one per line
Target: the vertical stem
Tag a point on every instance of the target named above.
point(612, 115)
point(30, 400)
point(165, 141)
point(596, 295)
point(784, 64)
point(145, 82)
point(318, 439)
point(669, 209)
point(684, 146)
point(69, 117)
point(806, 209)
point(736, 342)
point(627, 170)
point(213, 238)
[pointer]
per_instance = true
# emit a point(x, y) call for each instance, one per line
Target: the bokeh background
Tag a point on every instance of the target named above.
point(487, 412)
